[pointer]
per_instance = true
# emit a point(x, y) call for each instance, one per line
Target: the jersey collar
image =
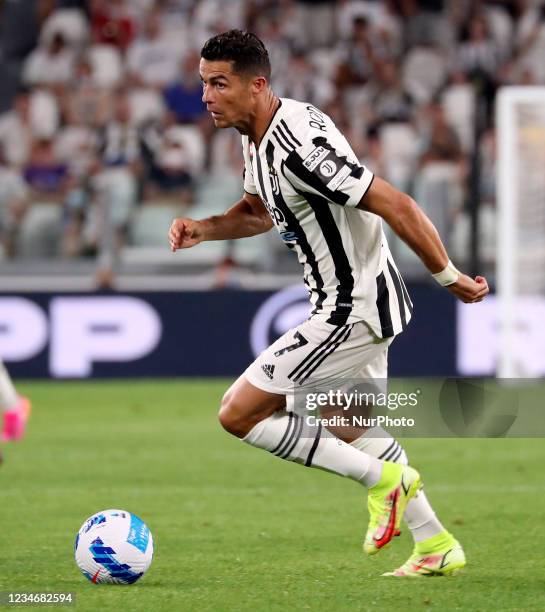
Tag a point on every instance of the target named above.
point(273, 121)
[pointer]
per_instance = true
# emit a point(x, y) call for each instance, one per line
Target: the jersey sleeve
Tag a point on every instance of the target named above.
point(249, 183)
point(326, 170)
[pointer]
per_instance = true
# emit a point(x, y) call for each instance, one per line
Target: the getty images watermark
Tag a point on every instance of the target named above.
point(355, 406)
point(425, 408)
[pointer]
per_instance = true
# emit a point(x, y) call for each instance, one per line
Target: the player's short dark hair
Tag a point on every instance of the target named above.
point(244, 49)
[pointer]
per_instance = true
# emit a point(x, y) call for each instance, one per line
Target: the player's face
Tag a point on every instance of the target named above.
point(227, 95)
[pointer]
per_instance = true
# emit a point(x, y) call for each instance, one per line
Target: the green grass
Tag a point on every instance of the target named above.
point(236, 529)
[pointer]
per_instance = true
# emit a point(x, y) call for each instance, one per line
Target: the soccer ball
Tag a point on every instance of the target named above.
point(114, 546)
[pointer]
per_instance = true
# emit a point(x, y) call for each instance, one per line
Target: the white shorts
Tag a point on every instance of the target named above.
point(316, 351)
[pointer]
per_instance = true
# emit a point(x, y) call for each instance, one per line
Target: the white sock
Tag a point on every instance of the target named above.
point(8, 395)
point(290, 437)
point(419, 515)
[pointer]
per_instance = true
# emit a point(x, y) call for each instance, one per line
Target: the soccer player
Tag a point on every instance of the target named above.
point(302, 177)
point(15, 408)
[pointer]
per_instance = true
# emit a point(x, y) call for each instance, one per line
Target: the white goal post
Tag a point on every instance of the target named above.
point(520, 260)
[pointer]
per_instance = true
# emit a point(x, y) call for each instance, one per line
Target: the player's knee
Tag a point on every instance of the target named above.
point(229, 416)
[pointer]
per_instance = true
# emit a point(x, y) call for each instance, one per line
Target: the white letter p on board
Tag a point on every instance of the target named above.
point(88, 329)
point(23, 329)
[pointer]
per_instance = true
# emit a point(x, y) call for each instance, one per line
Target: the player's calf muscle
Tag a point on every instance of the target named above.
point(235, 417)
point(243, 406)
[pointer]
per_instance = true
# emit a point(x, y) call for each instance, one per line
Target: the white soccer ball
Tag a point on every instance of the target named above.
point(114, 546)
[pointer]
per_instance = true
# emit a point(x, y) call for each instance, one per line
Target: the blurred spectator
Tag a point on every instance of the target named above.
point(44, 111)
point(13, 205)
point(382, 16)
point(152, 59)
point(16, 130)
point(176, 22)
point(146, 104)
point(459, 104)
point(441, 143)
point(86, 103)
point(184, 97)
point(106, 62)
point(341, 117)
point(391, 101)
point(169, 166)
point(112, 23)
point(439, 188)
point(45, 174)
point(119, 139)
point(425, 23)
point(371, 156)
point(530, 35)
point(316, 22)
point(117, 178)
point(500, 25)
point(398, 141)
point(424, 72)
point(358, 56)
point(478, 52)
point(100, 201)
point(302, 82)
point(225, 154)
point(213, 16)
point(70, 23)
point(50, 65)
point(278, 45)
point(76, 146)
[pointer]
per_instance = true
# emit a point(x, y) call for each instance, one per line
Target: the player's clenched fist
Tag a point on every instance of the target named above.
point(469, 290)
point(184, 233)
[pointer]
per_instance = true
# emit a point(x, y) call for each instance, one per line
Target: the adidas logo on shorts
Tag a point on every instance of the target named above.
point(269, 370)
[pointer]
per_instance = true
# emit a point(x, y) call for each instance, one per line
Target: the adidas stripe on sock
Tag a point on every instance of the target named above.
point(290, 437)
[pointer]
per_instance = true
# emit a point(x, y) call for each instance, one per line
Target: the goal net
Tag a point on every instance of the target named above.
point(520, 260)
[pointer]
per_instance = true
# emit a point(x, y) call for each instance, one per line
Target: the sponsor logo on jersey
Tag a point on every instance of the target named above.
point(276, 214)
point(288, 236)
point(328, 168)
point(339, 178)
point(315, 157)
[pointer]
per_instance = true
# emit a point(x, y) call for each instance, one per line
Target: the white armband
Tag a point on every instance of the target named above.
point(448, 276)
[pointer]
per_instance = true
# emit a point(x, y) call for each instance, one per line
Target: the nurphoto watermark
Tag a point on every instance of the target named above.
point(435, 408)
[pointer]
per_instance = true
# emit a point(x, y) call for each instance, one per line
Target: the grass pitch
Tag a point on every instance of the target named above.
point(236, 529)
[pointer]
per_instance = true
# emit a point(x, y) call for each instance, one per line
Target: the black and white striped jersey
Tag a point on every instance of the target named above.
point(311, 182)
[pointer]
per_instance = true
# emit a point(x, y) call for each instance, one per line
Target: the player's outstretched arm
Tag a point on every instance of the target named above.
point(248, 217)
point(410, 223)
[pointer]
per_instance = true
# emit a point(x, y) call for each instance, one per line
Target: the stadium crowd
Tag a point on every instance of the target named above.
point(103, 134)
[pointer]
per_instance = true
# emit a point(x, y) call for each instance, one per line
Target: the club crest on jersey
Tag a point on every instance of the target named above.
point(328, 168)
